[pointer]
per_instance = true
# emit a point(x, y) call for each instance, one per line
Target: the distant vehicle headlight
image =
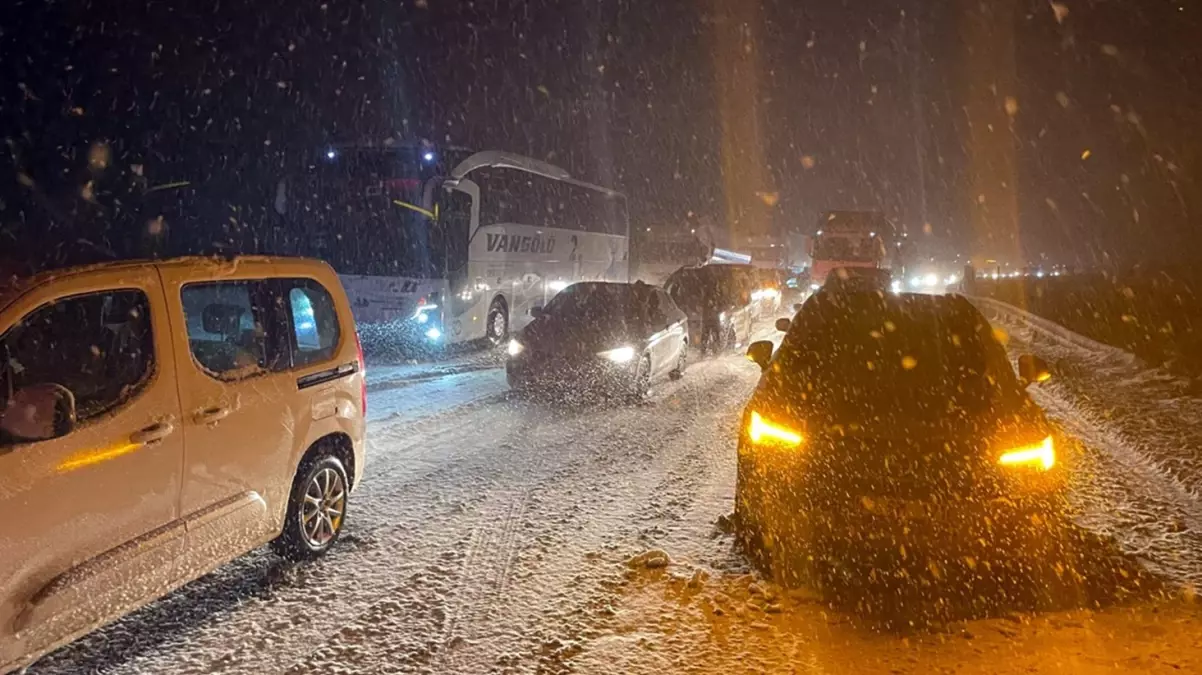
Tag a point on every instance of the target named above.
point(619, 355)
point(895, 286)
point(930, 280)
point(515, 348)
point(761, 432)
point(814, 287)
point(1041, 455)
point(434, 333)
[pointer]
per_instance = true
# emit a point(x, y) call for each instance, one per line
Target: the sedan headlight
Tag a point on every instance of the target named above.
point(619, 355)
point(515, 348)
point(761, 431)
point(1041, 455)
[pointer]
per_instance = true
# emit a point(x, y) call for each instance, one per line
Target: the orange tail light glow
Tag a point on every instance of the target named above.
point(760, 430)
point(1041, 455)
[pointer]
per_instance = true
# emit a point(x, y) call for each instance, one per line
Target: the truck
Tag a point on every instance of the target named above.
point(849, 239)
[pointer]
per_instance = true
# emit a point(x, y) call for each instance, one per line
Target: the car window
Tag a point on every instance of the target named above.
point(667, 307)
point(314, 321)
point(227, 327)
point(649, 311)
point(100, 346)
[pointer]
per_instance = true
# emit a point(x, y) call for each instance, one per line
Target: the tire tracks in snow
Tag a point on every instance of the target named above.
point(1141, 460)
point(532, 563)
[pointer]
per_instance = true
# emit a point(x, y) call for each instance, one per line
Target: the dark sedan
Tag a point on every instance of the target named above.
point(896, 421)
point(602, 336)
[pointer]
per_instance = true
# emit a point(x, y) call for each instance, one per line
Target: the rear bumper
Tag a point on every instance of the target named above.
point(785, 490)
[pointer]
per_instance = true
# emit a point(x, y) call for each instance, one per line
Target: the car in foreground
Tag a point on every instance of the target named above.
point(893, 421)
point(719, 302)
point(601, 337)
point(158, 419)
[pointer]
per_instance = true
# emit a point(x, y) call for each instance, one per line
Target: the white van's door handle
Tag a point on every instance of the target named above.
point(211, 415)
point(153, 433)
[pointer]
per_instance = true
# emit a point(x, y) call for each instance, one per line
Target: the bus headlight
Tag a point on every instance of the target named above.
point(433, 333)
point(422, 308)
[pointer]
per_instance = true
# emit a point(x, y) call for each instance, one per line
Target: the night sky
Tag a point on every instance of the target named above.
point(1014, 131)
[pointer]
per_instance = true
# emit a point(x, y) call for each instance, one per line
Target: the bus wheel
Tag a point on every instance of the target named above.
point(497, 326)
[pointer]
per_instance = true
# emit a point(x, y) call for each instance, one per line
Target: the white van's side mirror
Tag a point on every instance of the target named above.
point(39, 412)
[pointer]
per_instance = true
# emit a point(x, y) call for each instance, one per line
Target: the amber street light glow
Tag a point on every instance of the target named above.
point(760, 429)
point(1042, 454)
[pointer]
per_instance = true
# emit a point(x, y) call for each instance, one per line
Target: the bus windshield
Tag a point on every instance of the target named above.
point(362, 209)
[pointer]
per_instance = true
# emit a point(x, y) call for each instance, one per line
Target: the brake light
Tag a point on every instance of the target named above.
point(1041, 455)
point(760, 430)
point(363, 372)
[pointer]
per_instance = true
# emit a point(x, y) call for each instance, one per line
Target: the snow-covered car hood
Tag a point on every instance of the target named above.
point(557, 335)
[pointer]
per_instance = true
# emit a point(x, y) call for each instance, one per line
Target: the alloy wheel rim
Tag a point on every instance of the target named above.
point(498, 325)
point(324, 508)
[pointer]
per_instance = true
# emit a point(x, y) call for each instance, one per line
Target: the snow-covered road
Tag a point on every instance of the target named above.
point(491, 534)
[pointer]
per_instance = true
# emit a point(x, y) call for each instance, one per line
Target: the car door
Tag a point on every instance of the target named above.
point(738, 291)
point(91, 523)
point(675, 324)
point(239, 410)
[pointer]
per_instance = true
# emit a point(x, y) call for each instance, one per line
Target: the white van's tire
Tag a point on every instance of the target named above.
point(316, 509)
point(496, 326)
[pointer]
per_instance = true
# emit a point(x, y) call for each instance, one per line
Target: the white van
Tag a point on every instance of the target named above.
point(158, 419)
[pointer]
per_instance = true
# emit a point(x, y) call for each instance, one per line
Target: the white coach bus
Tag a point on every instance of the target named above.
point(434, 257)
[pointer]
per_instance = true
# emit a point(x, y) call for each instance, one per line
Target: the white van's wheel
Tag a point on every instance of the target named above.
point(497, 326)
point(316, 509)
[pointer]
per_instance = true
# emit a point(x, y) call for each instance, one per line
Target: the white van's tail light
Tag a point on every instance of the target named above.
point(363, 371)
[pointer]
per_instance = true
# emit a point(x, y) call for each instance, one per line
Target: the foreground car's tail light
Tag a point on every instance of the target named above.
point(1041, 455)
point(761, 431)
